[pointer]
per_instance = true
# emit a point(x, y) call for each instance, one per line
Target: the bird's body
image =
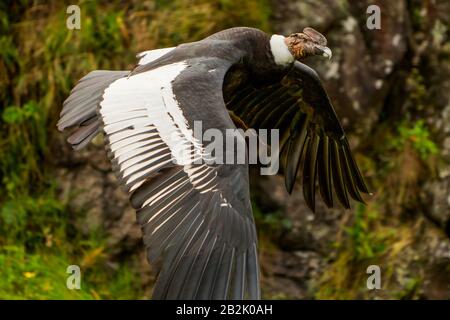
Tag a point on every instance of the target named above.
point(196, 216)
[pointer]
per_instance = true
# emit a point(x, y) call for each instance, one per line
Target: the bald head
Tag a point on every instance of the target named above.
point(307, 43)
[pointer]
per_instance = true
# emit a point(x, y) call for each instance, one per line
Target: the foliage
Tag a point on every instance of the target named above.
point(418, 136)
point(365, 243)
point(376, 233)
point(40, 61)
point(42, 275)
point(270, 223)
point(206, 17)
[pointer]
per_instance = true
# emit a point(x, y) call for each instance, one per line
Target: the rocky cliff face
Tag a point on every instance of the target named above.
point(383, 83)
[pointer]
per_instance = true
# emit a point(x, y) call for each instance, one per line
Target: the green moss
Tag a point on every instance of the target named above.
point(418, 136)
point(364, 243)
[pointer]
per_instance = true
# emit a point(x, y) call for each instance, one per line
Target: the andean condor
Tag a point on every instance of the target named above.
point(196, 219)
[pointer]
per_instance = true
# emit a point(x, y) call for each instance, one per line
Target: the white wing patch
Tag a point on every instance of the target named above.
point(180, 203)
point(146, 129)
point(151, 55)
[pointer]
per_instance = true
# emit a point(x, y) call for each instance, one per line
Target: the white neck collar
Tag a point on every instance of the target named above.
point(280, 50)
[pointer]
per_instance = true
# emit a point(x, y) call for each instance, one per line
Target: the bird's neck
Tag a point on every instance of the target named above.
point(261, 50)
point(280, 51)
point(267, 56)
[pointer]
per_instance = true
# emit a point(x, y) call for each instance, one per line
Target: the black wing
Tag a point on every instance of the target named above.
point(196, 218)
point(310, 133)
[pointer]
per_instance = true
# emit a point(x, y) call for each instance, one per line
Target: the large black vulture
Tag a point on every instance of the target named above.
point(196, 217)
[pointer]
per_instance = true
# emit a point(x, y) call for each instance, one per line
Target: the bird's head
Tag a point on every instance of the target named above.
point(307, 43)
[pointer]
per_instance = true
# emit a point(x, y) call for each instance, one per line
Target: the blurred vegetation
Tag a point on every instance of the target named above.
point(401, 154)
point(379, 231)
point(40, 60)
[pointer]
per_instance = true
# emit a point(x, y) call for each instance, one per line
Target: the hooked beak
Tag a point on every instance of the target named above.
point(326, 52)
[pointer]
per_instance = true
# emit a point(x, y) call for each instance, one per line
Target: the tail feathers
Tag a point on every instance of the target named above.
point(80, 108)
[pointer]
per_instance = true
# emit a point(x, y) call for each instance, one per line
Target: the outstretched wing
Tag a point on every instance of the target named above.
point(196, 218)
point(310, 133)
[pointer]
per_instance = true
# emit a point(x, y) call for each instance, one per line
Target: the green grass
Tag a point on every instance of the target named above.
point(38, 275)
point(42, 275)
point(39, 241)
